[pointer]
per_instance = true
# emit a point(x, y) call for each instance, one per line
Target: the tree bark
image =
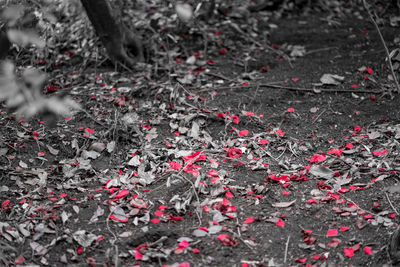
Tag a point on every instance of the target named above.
point(121, 44)
point(394, 247)
point(4, 45)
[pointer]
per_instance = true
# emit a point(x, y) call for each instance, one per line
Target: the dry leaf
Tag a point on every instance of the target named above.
point(283, 204)
point(321, 171)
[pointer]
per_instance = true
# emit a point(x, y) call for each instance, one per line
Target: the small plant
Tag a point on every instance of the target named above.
point(24, 95)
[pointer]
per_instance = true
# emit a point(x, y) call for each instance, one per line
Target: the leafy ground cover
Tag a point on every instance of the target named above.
point(241, 157)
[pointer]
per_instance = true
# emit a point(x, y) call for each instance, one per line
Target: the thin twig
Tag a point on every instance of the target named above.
point(113, 234)
point(286, 249)
point(241, 239)
point(162, 239)
point(390, 203)
point(320, 50)
point(219, 76)
point(333, 90)
point(244, 242)
point(384, 45)
point(114, 130)
point(319, 116)
point(254, 97)
point(92, 118)
point(314, 90)
point(283, 152)
point(291, 150)
point(116, 260)
point(199, 216)
point(108, 225)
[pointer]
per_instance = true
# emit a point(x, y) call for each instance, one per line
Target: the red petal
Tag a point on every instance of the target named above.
point(318, 158)
point(349, 252)
point(280, 223)
point(19, 260)
point(226, 202)
point(138, 255)
point(334, 243)
point(228, 194)
point(122, 193)
point(112, 217)
point(244, 133)
point(159, 213)
point(249, 220)
point(332, 232)
point(302, 260)
point(368, 250)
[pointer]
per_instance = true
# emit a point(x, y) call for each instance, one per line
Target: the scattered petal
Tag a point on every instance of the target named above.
point(223, 51)
point(122, 193)
point(368, 250)
point(349, 252)
point(249, 220)
point(335, 152)
point(332, 232)
point(234, 153)
point(280, 133)
point(244, 133)
point(380, 153)
point(19, 260)
point(334, 243)
point(175, 165)
point(302, 260)
point(119, 218)
point(318, 158)
point(280, 223)
point(228, 194)
point(312, 201)
point(89, 130)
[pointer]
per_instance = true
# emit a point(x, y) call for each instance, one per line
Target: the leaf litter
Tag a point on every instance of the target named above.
point(175, 175)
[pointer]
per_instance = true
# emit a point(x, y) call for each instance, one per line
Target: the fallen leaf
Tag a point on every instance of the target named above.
point(84, 239)
point(110, 146)
point(52, 150)
point(321, 172)
point(98, 147)
point(283, 204)
point(331, 79)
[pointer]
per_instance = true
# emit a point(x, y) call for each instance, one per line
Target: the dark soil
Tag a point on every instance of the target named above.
point(261, 205)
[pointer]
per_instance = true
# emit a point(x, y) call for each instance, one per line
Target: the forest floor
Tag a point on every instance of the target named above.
point(242, 157)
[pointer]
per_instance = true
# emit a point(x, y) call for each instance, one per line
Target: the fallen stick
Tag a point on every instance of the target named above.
point(384, 45)
point(314, 90)
point(286, 250)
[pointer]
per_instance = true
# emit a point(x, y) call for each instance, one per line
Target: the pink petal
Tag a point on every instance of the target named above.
point(332, 232)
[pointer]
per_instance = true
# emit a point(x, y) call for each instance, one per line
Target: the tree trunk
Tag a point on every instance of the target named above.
point(4, 45)
point(121, 44)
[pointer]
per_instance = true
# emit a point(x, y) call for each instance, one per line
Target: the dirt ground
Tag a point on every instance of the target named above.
point(248, 161)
